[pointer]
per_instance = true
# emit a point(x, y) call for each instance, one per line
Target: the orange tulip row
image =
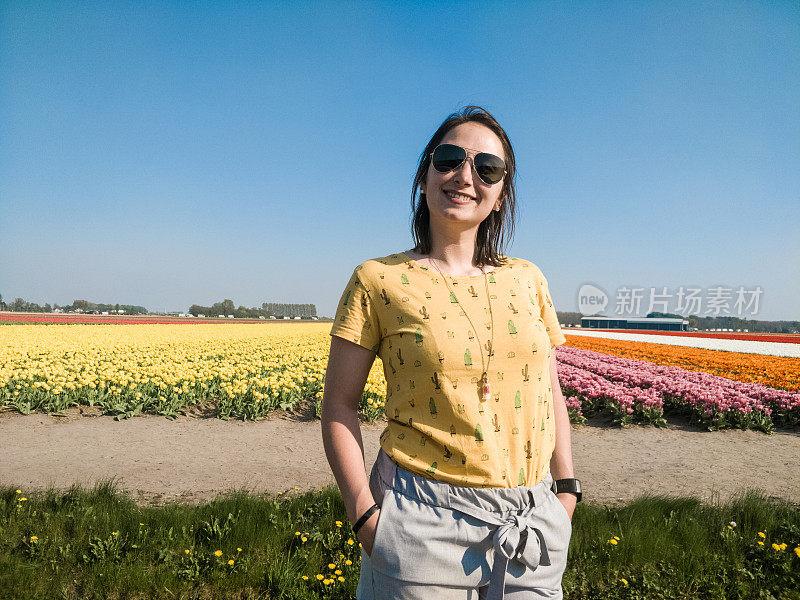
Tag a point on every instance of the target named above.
point(773, 371)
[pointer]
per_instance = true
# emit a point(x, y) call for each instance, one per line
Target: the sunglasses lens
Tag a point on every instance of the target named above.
point(490, 168)
point(448, 157)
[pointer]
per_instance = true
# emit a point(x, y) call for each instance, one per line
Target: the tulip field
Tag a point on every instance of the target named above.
point(248, 370)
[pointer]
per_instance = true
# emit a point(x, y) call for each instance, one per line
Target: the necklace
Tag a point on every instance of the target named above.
point(486, 390)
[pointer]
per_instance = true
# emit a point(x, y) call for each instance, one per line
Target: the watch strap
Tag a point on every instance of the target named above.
point(568, 485)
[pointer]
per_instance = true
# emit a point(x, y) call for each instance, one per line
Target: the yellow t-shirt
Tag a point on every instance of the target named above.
point(419, 325)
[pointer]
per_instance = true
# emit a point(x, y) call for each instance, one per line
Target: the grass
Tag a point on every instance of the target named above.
point(85, 544)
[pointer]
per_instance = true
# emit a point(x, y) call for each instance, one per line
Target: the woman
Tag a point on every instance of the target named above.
point(460, 502)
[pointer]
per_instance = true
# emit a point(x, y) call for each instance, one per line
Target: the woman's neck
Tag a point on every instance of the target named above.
point(450, 260)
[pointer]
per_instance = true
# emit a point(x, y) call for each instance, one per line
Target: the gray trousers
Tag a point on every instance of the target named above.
point(437, 540)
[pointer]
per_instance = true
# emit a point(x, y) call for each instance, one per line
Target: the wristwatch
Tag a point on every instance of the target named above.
point(572, 486)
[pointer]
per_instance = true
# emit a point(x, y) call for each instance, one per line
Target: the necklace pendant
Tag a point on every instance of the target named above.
point(487, 392)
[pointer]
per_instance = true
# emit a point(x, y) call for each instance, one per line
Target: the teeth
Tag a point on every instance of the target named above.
point(457, 196)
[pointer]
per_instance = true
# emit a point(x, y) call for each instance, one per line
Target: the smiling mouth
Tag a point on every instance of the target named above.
point(458, 197)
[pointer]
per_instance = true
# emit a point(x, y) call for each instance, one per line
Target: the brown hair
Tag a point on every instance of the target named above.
point(493, 230)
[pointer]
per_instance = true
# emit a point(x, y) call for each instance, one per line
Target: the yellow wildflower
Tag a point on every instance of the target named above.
point(340, 578)
point(304, 539)
point(186, 551)
point(218, 553)
point(338, 523)
point(34, 538)
point(625, 581)
point(761, 533)
point(612, 541)
point(797, 551)
point(616, 538)
point(337, 572)
point(320, 577)
point(760, 543)
point(19, 491)
point(331, 566)
point(350, 562)
point(350, 541)
point(297, 533)
point(230, 562)
point(327, 581)
point(22, 499)
point(305, 577)
point(238, 549)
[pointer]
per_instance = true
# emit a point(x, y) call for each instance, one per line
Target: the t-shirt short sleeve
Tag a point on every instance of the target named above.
point(549, 316)
point(356, 319)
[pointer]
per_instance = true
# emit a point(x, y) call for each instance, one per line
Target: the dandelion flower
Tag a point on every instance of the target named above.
point(797, 551)
point(616, 538)
point(304, 539)
point(230, 562)
point(141, 523)
point(238, 549)
point(331, 566)
point(761, 533)
point(186, 551)
point(114, 532)
point(22, 499)
point(350, 562)
point(297, 533)
point(327, 581)
point(218, 553)
point(340, 578)
point(305, 577)
point(34, 538)
point(337, 572)
point(760, 543)
point(19, 491)
point(776, 547)
point(624, 581)
point(612, 541)
point(350, 541)
point(338, 523)
point(320, 577)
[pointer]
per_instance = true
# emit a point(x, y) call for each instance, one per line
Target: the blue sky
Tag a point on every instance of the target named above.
point(165, 154)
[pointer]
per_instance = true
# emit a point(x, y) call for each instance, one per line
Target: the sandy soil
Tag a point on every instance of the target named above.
point(194, 458)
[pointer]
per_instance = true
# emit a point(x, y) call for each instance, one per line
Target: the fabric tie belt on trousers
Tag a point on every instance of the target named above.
point(516, 538)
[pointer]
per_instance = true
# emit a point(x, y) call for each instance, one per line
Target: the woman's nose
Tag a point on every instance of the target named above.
point(464, 172)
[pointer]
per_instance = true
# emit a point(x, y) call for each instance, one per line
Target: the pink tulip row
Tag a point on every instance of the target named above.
point(712, 400)
point(625, 403)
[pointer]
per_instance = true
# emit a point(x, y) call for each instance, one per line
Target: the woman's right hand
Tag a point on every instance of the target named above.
point(366, 535)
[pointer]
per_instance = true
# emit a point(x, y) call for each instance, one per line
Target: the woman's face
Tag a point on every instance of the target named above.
point(460, 195)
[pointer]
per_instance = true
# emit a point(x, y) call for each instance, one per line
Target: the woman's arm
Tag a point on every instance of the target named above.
point(561, 461)
point(347, 371)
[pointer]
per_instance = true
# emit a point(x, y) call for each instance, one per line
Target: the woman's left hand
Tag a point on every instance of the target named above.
point(569, 501)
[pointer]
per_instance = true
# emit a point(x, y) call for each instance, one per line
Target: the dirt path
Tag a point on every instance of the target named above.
point(193, 458)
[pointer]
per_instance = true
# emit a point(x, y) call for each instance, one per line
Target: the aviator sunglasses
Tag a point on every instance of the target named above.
point(490, 168)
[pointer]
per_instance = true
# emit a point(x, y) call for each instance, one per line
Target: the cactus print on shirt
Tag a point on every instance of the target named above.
point(438, 426)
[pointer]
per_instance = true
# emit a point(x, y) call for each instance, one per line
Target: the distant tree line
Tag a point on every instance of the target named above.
point(78, 306)
point(696, 322)
point(267, 310)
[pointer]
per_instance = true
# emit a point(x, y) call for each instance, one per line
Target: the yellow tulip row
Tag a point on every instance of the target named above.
point(183, 364)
